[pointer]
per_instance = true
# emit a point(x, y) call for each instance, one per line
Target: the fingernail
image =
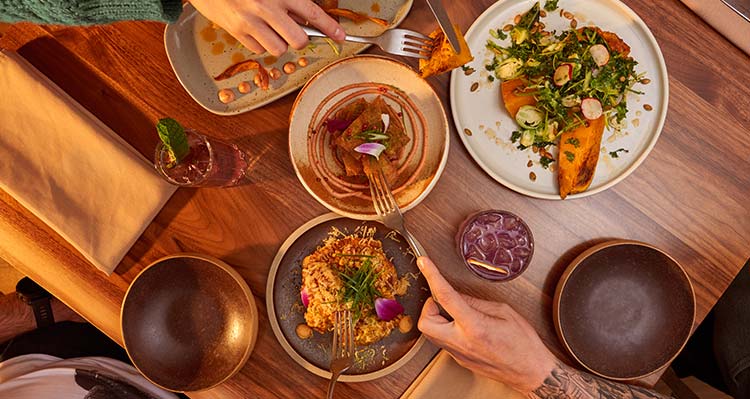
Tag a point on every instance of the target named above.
point(420, 262)
point(338, 34)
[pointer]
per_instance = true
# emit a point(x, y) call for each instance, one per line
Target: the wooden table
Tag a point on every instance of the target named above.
point(690, 197)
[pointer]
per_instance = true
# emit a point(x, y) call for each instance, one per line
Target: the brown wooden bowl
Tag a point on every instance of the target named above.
point(188, 322)
point(624, 309)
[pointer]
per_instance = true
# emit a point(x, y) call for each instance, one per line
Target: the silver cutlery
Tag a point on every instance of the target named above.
point(342, 349)
point(395, 41)
point(445, 23)
point(389, 212)
point(386, 206)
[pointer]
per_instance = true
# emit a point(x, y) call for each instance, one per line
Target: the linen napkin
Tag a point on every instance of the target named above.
point(724, 20)
point(70, 170)
point(443, 378)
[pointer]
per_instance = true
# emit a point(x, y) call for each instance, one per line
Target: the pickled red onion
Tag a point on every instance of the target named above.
point(387, 309)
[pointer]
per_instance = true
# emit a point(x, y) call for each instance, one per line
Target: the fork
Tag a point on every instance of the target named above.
point(395, 41)
point(342, 349)
point(389, 212)
point(386, 206)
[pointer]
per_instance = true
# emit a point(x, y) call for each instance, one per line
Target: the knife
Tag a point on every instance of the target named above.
point(741, 7)
point(445, 23)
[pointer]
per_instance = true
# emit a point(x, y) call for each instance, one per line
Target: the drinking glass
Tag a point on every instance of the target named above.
point(210, 163)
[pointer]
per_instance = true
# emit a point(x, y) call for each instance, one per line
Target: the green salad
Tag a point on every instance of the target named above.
point(574, 76)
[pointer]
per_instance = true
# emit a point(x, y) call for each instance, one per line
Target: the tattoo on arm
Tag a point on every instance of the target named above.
point(567, 383)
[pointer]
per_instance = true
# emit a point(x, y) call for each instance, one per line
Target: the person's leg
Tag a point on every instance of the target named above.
point(697, 358)
point(65, 340)
point(731, 343)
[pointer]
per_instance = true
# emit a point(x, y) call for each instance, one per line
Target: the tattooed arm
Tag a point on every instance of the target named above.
point(491, 339)
point(565, 382)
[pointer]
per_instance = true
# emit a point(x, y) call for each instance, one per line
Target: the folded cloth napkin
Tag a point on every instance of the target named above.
point(443, 378)
point(70, 170)
point(724, 20)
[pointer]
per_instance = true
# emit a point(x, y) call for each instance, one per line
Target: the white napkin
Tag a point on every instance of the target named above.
point(443, 378)
point(70, 170)
point(724, 20)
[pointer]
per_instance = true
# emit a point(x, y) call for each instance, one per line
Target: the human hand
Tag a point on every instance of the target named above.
point(270, 25)
point(489, 338)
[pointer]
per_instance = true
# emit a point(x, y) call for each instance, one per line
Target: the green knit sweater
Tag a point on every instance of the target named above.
point(87, 12)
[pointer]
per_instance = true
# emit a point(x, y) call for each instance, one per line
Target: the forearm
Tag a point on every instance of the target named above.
point(565, 382)
point(15, 317)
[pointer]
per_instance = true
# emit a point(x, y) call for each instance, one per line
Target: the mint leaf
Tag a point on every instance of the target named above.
point(173, 136)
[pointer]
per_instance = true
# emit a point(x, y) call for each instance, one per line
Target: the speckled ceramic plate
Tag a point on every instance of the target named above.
point(483, 114)
point(285, 310)
point(624, 309)
point(198, 52)
point(367, 76)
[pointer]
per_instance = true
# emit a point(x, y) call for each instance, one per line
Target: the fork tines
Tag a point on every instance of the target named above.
point(343, 335)
point(418, 43)
point(382, 198)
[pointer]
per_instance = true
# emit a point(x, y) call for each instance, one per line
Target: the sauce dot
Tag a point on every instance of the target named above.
point(226, 96)
point(208, 33)
point(217, 48)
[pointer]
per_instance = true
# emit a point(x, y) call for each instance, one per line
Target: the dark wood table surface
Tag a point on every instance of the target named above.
point(689, 197)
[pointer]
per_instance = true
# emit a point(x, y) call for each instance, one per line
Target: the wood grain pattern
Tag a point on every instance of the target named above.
point(689, 197)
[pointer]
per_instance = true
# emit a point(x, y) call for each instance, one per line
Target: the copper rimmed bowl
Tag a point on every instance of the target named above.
point(189, 322)
point(624, 309)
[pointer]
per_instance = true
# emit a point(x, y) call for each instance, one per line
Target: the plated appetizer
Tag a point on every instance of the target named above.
point(563, 89)
point(373, 128)
point(352, 272)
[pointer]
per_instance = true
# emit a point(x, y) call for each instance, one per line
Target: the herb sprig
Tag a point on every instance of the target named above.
point(359, 286)
point(172, 134)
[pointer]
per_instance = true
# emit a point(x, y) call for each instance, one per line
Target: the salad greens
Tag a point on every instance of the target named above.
point(574, 76)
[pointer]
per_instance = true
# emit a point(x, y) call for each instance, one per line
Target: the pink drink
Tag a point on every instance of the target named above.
point(211, 162)
point(499, 239)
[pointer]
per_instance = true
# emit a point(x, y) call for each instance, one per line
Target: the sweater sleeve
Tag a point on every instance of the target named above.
point(88, 12)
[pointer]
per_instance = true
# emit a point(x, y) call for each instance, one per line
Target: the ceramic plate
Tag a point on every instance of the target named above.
point(198, 51)
point(483, 114)
point(285, 309)
point(337, 85)
point(624, 309)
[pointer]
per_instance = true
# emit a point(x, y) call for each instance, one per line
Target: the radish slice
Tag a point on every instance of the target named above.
point(563, 74)
point(387, 309)
point(600, 54)
point(591, 108)
point(304, 296)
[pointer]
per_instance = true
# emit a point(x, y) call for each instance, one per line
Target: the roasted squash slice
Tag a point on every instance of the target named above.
point(579, 148)
point(579, 154)
point(510, 90)
point(443, 58)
